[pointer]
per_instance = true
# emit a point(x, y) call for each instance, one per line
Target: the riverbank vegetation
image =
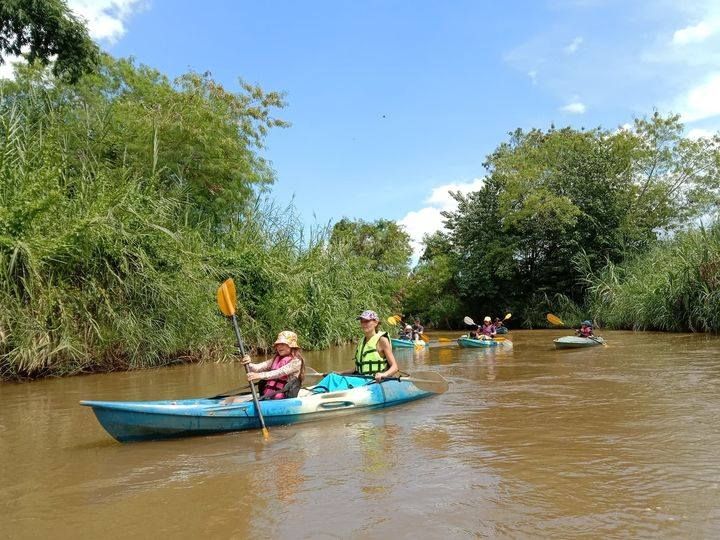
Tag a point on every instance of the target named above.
point(126, 198)
point(560, 214)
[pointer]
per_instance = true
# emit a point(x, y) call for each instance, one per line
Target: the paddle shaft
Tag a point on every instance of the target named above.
point(247, 370)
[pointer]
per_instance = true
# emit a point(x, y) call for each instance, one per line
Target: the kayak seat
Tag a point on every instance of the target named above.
point(334, 382)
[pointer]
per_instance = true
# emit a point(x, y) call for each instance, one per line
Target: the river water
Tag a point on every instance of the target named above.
point(610, 442)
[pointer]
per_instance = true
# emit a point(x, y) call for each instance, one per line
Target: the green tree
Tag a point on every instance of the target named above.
point(553, 197)
point(431, 293)
point(194, 139)
point(49, 31)
point(383, 242)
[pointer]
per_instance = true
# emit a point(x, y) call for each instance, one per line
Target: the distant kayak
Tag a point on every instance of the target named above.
point(574, 342)
point(502, 330)
point(147, 420)
point(467, 342)
point(407, 344)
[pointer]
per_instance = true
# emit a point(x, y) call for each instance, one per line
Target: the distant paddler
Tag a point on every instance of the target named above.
point(585, 330)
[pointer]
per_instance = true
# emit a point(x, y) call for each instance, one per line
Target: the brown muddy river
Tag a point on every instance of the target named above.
point(610, 442)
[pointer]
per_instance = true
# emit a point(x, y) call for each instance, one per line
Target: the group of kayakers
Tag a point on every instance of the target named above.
point(411, 332)
point(283, 375)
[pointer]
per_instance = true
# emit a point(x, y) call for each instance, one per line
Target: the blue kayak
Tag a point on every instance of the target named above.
point(469, 343)
point(148, 420)
point(407, 344)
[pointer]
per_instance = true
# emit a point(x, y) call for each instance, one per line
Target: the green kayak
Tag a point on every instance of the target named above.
point(574, 342)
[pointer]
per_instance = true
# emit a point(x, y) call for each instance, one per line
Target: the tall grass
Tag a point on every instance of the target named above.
point(674, 287)
point(101, 269)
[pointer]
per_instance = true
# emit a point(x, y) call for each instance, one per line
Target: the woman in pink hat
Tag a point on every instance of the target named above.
point(275, 374)
point(374, 355)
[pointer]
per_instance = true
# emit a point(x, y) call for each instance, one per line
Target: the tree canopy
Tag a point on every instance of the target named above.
point(560, 203)
point(47, 31)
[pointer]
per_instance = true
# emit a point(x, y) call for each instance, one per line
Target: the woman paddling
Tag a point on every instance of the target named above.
point(488, 330)
point(374, 356)
point(285, 369)
point(585, 330)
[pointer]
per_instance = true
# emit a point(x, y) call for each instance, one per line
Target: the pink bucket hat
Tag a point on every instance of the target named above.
point(288, 338)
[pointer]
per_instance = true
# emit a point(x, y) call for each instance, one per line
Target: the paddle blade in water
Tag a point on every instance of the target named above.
point(226, 297)
point(425, 338)
point(428, 381)
point(469, 321)
point(553, 319)
point(445, 340)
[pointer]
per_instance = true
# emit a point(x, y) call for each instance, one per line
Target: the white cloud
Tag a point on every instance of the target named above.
point(427, 220)
point(575, 107)
point(702, 101)
point(106, 18)
point(694, 34)
point(699, 133)
point(6, 68)
point(533, 76)
point(574, 45)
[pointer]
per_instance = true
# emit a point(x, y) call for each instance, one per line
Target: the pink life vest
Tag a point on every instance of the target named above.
point(275, 385)
point(585, 332)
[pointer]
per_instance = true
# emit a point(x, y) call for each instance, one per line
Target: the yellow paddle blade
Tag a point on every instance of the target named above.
point(425, 338)
point(554, 319)
point(226, 297)
point(392, 321)
point(445, 340)
point(507, 316)
point(499, 338)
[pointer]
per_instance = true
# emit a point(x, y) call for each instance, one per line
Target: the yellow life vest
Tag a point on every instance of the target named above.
point(367, 358)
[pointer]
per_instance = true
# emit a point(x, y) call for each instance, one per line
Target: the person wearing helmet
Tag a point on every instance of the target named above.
point(285, 371)
point(487, 331)
point(586, 329)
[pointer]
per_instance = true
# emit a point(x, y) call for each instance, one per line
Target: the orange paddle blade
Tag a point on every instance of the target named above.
point(554, 319)
point(226, 297)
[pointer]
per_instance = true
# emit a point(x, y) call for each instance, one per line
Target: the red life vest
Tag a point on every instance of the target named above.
point(586, 332)
point(275, 385)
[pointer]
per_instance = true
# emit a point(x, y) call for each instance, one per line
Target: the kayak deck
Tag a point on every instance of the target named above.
point(407, 344)
point(576, 342)
point(470, 343)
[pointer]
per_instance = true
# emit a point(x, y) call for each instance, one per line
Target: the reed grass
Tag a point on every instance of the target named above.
point(102, 269)
point(673, 287)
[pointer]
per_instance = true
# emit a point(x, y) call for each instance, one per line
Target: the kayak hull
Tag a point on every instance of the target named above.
point(470, 343)
point(406, 344)
point(150, 420)
point(574, 342)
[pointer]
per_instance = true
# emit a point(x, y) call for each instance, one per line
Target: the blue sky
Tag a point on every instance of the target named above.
point(393, 102)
